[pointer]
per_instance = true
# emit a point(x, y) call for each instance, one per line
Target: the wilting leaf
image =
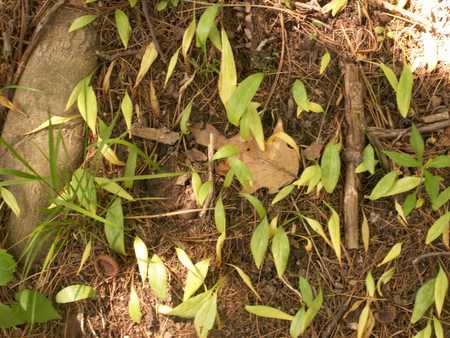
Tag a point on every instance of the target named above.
point(157, 277)
point(154, 103)
point(86, 253)
point(228, 150)
point(283, 193)
point(195, 278)
point(74, 293)
point(268, 312)
point(34, 307)
point(424, 299)
point(334, 228)
point(227, 75)
point(330, 165)
point(362, 321)
point(403, 159)
point(260, 242)
point(257, 204)
point(383, 186)
point(81, 22)
point(205, 24)
point(112, 187)
point(123, 26)
point(187, 38)
point(384, 279)
point(317, 227)
point(219, 246)
point(127, 110)
point(392, 254)
point(109, 154)
point(246, 279)
point(206, 316)
point(185, 115)
point(280, 250)
point(53, 121)
point(149, 57)
point(10, 200)
point(365, 233)
point(404, 90)
point(440, 290)
point(326, 58)
point(134, 308)
point(7, 267)
point(219, 216)
point(285, 138)
point(141, 253)
point(440, 226)
point(114, 227)
point(171, 67)
point(390, 76)
point(242, 96)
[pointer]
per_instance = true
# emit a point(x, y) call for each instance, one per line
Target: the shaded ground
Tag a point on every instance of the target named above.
point(287, 45)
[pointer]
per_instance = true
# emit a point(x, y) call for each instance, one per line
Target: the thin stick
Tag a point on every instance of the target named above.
point(166, 214)
point(394, 133)
point(354, 142)
point(210, 175)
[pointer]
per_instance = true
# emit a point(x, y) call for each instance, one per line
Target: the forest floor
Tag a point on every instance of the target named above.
point(286, 43)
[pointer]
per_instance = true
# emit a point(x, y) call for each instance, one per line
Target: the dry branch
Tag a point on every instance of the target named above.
point(354, 142)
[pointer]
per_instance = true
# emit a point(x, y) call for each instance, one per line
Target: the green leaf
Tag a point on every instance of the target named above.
point(214, 37)
point(241, 171)
point(171, 67)
point(283, 193)
point(410, 203)
point(219, 246)
point(87, 106)
point(74, 293)
point(306, 291)
point(424, 299)
point(84, 257)
point(127, 110)
point(134, 307)
point(10, 201)
point(81, 22)
point(390, 76)
point(384, 279)
point(260, 241)
point(114, 228)
point(438, 329)
point(297, 323)
point(417, 142)
point(370, 284)
point(404, 90)
point(392, 254)
point(206, 316)
point(268, 312)
point(440, 226)
point(83, 185)
point(226, 151)
point(300, 96)
point(404, 184)
point(184, 259)
point(7, 267)
point(242, 96)
point(311, 313)
point(334, 229)
point(246, 279)
point(123, 26)
point(315, 107)
point(149, 57)
point(440, 290)
point(403, 159)
point(365, 232)
point(130, 167)
point(255, 125)
point(442, 161)
point(441, 199)
point(187, 38)
point(257, 204)
point(195, 278)
point(157, 277)
point(141, 253)
point(383, 186)
point(34, 307)
point(113, 188)
point(324, 61)
point(196, 184)
point(432, 185)
point(363, 320)
point(9, 318)
point(205, 24)
point(369, 162)
point(335, 6)
point(330, 165)
point(317, 227)
point(205, 190)
point(280, 250)
point(310, 177)
point(189, 308)
point(227, 74)
point(219, 216)
point(185, 116)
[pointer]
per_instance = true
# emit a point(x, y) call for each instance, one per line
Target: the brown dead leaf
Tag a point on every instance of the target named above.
point(273, 168)
point(196, 155)
point(161, 135)
point(313, 151)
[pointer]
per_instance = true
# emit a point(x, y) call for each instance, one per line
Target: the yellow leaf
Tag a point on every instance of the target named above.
point(154, 102)
point(334, 228)
point(227, 75)
point(107, 78)
point(246, 279)
point(86, 253)
point(365, 232)
point(392, 254)
point(187, 38)
point(287, 139)
point(171, 67)
point(326, 58)
point(149, 57)
point(127, 110)
point(54, 120)
point(10, 200)
point(110, 155)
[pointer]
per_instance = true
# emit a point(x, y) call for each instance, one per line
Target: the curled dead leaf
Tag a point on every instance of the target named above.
point(273, 168)
point(161, 135)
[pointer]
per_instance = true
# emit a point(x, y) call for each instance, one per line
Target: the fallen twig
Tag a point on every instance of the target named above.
point(395, 133)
